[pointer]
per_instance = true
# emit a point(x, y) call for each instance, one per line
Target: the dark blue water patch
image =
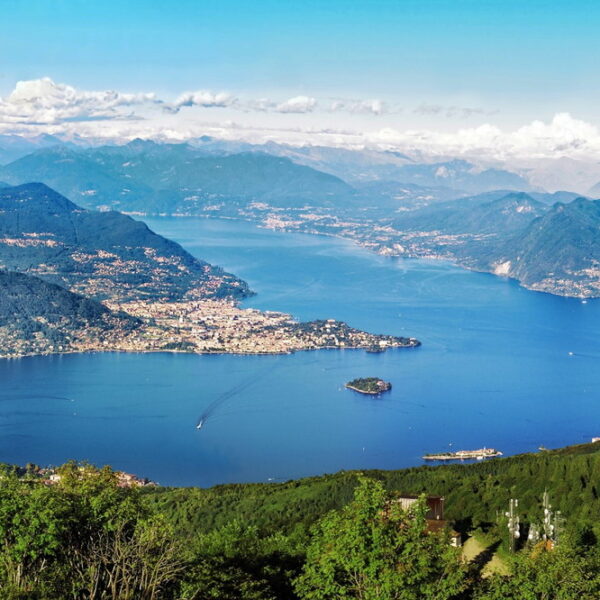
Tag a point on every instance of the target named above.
point(500, 367)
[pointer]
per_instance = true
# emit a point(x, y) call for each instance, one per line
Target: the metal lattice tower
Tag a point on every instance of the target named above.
point(513, 523)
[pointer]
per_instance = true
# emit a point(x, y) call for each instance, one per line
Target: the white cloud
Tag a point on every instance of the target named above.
point(297, 104)
point(563, 134)
point(259, 105)
point(373, 106)
point(44, 101)
point(208, 99)
point(449, 111)
point(205, 99)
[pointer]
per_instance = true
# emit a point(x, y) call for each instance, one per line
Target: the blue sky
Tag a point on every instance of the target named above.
point(507, 62)
point(503, 51)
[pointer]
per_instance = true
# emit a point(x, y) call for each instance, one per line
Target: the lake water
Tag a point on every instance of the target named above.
point(495, 370)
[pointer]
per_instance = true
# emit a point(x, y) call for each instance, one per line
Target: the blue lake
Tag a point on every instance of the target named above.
point(495, 370)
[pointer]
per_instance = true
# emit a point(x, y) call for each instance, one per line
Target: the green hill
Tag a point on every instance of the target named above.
point(500, 216)
point(90, 530)
point(558, 252)
point(37, 316)
point(103, 255)
point(474, 492)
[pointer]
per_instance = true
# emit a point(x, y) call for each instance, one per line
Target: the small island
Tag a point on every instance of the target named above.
point(369, 385)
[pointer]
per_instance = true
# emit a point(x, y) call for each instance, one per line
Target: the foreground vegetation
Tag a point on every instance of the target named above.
point(474, 493)
point(332, 537)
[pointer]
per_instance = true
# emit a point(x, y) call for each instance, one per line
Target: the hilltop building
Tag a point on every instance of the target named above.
point(434, 516)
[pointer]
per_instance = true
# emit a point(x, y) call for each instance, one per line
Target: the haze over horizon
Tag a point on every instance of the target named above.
point(432, 79)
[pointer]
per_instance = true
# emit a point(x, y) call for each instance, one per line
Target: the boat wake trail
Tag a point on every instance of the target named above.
point(39, 397)
point(218, 402)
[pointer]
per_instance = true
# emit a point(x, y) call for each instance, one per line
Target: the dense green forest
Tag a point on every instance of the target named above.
point(331, 537)
point(473, 492)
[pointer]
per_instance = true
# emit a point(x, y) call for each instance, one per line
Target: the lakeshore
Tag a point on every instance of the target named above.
point(376, 234)
point(490, 350)
point(205, 327)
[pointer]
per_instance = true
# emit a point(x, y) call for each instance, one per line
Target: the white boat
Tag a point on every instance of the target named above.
point(199, 426)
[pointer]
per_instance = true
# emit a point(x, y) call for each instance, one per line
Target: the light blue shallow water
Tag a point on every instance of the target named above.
point(494, 370)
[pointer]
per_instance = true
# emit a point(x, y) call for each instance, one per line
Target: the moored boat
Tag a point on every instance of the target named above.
point(464, 454)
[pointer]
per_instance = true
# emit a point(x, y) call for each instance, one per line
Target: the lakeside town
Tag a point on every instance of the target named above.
point(204, 327)
point(32, 473)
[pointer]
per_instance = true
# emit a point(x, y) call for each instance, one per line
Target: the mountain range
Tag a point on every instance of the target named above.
point(424, 210)
point(465, 174)
point(146, 177)
point(554, 248)
point(13, 147)
point(366, 164)
point(551, 248)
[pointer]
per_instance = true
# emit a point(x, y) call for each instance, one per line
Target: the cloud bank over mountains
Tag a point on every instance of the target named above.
point(44, 106)
point(563, 136)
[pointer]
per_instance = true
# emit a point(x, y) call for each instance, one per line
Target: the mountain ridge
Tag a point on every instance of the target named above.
point(558, 251)
point(148, 177)
point(103, 255)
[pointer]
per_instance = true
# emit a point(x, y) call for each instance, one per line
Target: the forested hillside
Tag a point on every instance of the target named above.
point(559, 251)
point(474, 492)
point(103, 255)
point(82, 535)
point(37, 316)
